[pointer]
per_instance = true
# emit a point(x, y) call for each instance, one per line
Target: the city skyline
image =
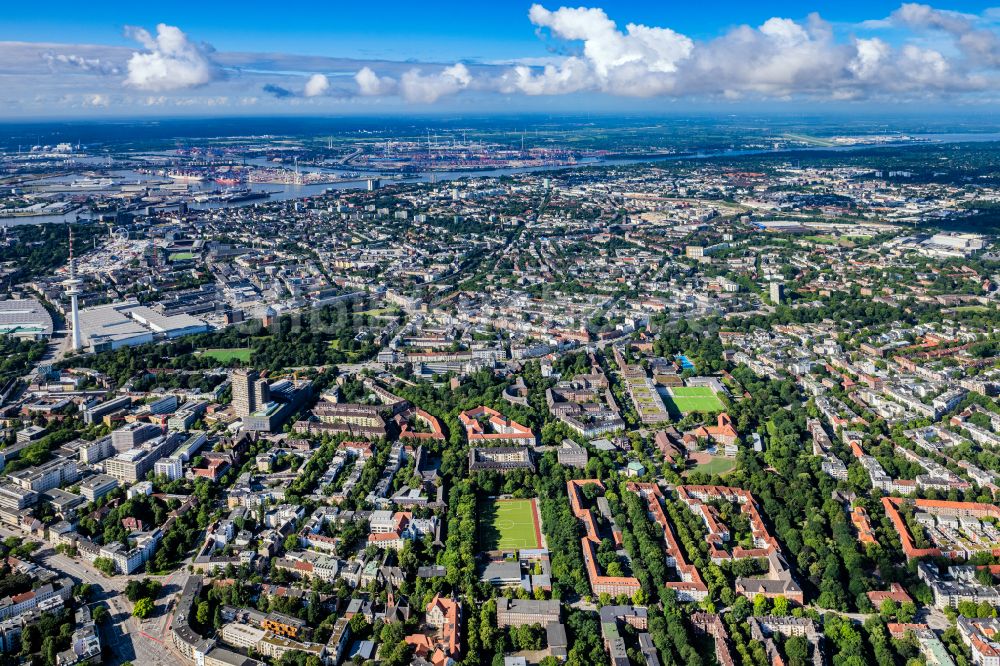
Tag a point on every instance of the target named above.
point(627, 334)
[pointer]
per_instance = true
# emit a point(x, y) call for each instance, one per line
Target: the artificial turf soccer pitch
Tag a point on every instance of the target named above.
point(695, 399)
point(508, 525)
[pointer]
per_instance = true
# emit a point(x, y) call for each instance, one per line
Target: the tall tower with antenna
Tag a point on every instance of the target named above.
point(73, 290)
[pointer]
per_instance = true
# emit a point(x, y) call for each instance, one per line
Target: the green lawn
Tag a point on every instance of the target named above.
point(688, 399)
point(227, 355)
point(822, 240)
point(718, 465)
point(181, 256)
point(507, 525)
point(846, 241)
point(377, 312)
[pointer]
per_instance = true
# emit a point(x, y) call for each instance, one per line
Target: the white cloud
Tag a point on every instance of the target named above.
point(923, 52)
point(171, 61)
point(317, 85)
point(980, 45)
point(924, 16)
point(641, 61)
point(415, 86)
point(570, 76)
point(74, 61)
point(779, 59)
point(870, 57)
point(371, 84)
point(646, 61)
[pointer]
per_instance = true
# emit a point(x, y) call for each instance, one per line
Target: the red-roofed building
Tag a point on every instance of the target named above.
point(133, 524)
point(599, 583)
point(898, 629)
point(935, 507)
point(895, 592)
point(691, 587)
point(433, 426)
point(216, 464)
point(724, 433)
point(695, 497)
point(980, 634)
point(499, 428)
point(423, 647)
point(363, 450)
point(445, 615)
point(386, 540)
point(859, 517)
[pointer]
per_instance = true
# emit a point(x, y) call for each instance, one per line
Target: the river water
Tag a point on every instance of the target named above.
point(284, 192)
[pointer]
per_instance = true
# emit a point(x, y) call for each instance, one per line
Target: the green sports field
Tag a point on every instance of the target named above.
point(717, 465)
point(688, 399)
point(181, 256)
point(508, 525)
point(227, 355)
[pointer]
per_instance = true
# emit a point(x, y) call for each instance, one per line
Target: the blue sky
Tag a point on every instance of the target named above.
point(448, 30)
point(112, 57)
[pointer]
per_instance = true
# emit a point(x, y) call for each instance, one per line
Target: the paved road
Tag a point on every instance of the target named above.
point(81, 571)
point(123, 634)
point(933, 618)
point(359, 367)
point(858, 618)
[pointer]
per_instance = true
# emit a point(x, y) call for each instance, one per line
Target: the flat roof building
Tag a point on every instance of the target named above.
point(125, 324)
point(97, 486)
point(105, 327)
point(15, 497)
point(32, 433)
point(133, 434)
point(133, 465)
point(517, 612)
point(25, 318)
point(99, 411)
